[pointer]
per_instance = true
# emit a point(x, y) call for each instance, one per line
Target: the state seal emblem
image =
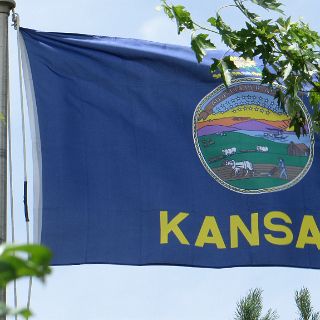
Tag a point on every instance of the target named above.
point(244, 140)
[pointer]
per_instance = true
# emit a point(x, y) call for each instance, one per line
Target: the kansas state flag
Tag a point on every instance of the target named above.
point(141, 156)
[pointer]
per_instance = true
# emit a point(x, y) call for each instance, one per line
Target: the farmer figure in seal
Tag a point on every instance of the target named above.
point(282, 169)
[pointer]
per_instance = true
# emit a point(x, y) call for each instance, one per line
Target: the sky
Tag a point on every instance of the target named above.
point(101, 292)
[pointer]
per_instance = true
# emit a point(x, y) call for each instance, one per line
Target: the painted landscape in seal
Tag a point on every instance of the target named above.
point(244, 140)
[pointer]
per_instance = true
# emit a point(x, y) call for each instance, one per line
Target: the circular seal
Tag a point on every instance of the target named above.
point(245, 142)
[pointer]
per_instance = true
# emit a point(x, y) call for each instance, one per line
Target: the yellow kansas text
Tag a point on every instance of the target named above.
point(238, 226)
point(167, 227)
point(210, 233)
point(274, 228)
point(282, 234)
point(309, 233)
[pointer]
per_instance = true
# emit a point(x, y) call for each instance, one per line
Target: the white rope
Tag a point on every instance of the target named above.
point(17, 27)
point(11, 186)
point(16, 21)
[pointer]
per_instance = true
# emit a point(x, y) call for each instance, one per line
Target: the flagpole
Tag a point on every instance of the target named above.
point(5, 7)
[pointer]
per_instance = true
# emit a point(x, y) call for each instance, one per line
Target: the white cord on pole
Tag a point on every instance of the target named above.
point(17, 26)
point(16, 21)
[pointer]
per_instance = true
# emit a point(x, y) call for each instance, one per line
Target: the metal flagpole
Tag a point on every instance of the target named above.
point(5, 7)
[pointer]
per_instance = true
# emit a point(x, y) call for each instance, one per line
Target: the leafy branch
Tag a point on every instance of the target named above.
point(250, 307)
point(19, 261)
point(289, 52)
point(305, 309)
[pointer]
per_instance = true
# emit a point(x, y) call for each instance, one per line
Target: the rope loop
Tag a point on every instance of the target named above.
point(15, 20)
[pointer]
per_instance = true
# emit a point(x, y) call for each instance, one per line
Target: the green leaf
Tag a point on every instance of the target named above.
point(287, 71)
point(267, 76)
point(298, 122)
point(269, 5)
point(2, 117)
point(4, 311)
point(167, 9)
point(183, 18)
point(284, 23)
point(223, 66)
point(212, 21)
point(17, 261)
point(314, 98)
point(180, 14)
point(228, 36)
point(225, 73)
point(25, 313)
point(199, 44)
point(280, 97)
point(229, 62)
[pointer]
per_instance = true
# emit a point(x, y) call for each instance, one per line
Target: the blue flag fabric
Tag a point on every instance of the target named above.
point(141, 157)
